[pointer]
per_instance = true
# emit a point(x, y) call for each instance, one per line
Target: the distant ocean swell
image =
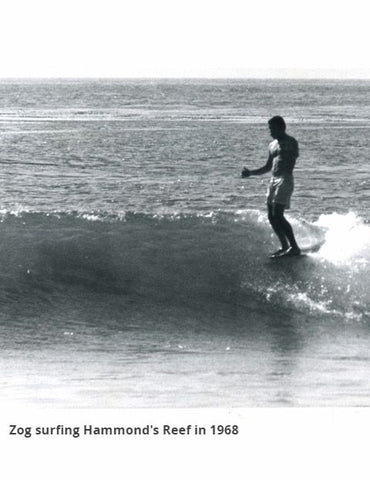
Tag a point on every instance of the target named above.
point(198, 261)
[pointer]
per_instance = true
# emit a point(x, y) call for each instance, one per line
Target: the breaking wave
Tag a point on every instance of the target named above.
point(198, 261)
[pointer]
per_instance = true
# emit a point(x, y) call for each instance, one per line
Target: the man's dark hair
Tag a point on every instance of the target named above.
point(278, 121)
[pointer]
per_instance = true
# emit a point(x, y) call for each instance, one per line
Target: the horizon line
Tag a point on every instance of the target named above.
point(155, 77)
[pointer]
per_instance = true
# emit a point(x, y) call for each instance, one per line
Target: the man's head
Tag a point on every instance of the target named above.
point(277, 126)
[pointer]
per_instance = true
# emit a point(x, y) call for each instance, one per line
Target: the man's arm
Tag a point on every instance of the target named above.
point(259, 171)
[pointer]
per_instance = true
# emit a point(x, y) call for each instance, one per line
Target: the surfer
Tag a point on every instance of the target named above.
point(283, 153)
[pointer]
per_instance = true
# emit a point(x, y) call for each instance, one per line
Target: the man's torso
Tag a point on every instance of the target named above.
point(284, 153)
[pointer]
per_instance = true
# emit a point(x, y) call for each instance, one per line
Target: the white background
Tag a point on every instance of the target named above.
point(184, 38)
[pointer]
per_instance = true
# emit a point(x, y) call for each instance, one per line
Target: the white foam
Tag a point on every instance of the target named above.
point(347, 239)
point(91, 217)
point(302, 298)
point(243, 214)
point(16, 211)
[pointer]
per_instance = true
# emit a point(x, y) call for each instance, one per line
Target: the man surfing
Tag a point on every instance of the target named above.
point(283, 153)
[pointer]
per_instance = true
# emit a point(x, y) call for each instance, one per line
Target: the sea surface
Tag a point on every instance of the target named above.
point(134, 258)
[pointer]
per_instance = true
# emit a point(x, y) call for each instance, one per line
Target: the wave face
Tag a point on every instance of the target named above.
point(204, 261)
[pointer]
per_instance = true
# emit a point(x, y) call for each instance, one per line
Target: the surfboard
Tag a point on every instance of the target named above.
point(304, 252)
point(312, 249)
point(302, 255)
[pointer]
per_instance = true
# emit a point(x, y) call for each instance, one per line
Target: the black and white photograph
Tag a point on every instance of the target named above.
point(184, 209)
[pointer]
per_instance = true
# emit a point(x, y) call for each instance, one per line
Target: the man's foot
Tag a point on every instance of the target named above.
point(291, 252)
point(278, 253)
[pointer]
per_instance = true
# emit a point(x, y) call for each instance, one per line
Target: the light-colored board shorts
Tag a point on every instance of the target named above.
point(280, 190)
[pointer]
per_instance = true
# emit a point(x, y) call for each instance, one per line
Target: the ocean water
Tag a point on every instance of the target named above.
point(134, 259)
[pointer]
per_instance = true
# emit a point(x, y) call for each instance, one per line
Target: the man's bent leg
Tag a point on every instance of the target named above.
point(277, 227)
point(285, 226)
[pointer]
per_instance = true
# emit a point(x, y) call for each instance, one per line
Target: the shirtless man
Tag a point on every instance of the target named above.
point(283, 153)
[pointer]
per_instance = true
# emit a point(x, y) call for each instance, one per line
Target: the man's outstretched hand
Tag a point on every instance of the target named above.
point(245, 172)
